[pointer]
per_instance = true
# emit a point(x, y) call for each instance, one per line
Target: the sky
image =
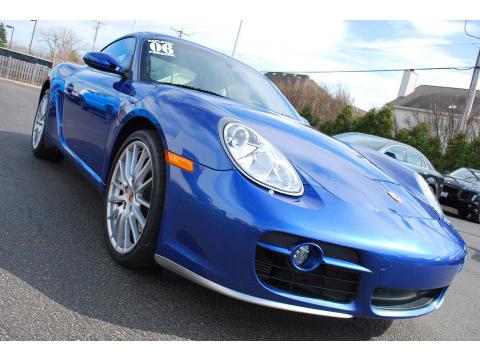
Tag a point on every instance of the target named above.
point(293, 44)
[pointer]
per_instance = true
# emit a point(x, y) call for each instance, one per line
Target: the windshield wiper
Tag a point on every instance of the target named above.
point(476, 177)
point(190, 88)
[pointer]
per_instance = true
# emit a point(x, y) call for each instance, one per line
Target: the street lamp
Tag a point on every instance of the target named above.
point(11, 36)
point(33, 34)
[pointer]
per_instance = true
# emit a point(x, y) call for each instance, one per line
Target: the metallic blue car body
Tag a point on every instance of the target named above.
point(215, 217)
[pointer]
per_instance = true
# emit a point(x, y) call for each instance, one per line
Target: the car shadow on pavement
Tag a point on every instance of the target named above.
point(476, 253)
point(52, 239)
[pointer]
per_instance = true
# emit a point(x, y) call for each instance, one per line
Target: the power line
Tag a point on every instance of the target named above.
point(405, 47)
point(467, 33)
point(374, 70)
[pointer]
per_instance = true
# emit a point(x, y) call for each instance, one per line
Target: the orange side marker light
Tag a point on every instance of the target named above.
point(179, 161)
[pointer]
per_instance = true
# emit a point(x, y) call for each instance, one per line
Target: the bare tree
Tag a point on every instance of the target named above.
point(443, 121)
point(324, 102)
point(62, 44)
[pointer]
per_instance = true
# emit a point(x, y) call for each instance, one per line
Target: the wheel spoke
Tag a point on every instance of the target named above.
point(134, 228)
point(128, 169)
point(142, 173)
point(140, 161)
point(116, 199)
point(123, 178)
point(119, 229)
point(134, 159)
point(142, 187)
point(117, 184)
point(44, 106)
point(143, 202)
point(126, 231)
point(114, 214)
point(138, 215)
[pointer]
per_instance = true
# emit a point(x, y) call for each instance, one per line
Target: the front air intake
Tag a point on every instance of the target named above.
point(325, 282)
point(403, 299)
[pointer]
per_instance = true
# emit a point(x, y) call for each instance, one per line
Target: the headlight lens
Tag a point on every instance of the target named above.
point(257, 159)
point(427, 192)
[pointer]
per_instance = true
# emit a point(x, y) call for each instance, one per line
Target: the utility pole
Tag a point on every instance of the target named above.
point(98, 25)
point(134, 25)
point(180, 32)
point(236, 39)
point(471, 95)
point(33, 34)
point(11, 36)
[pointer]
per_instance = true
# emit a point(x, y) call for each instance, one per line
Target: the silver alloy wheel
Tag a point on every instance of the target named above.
point(129, 196)
point(39, 123)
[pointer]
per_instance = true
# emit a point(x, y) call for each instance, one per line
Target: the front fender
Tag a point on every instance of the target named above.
point(189, 125)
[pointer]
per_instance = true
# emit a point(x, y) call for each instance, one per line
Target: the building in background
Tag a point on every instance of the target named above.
point(420, 103)
point(440, 107)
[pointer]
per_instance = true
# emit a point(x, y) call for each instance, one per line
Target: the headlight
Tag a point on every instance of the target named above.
point(258, 160)
point(427, 192)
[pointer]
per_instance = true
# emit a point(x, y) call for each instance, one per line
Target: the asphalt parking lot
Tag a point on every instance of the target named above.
point(57, 281)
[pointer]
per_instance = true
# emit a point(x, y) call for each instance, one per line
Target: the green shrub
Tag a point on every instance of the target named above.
point(342, 123)
point(376, 122)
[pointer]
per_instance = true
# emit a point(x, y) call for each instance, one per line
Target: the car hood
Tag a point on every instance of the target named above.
point(325, 162)
point(461, 184)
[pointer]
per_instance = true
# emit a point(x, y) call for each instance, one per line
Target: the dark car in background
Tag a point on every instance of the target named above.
point(462, 192)
point(410, 156)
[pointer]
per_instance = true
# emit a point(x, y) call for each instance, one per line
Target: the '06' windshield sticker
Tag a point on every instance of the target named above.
point(161, 47)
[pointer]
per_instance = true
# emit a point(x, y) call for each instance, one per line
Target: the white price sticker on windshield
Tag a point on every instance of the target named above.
point(161, 47)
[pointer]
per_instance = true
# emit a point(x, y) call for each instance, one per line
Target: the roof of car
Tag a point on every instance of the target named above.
point(154, 35)
point(385, 140)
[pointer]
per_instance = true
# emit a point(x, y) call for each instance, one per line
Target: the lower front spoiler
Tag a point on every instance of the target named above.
point(190, 275)
point(375, 311)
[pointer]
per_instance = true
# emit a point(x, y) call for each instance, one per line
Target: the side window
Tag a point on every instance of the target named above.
point(397, 151)
point(414, 158)
point(122, 50)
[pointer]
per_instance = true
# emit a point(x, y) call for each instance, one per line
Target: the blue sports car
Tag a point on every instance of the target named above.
point(207, 170)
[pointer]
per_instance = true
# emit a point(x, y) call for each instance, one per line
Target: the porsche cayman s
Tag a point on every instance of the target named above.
point(206, 169)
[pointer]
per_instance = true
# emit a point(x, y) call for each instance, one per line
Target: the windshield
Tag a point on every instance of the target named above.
point(195, 68)
point(469, 175)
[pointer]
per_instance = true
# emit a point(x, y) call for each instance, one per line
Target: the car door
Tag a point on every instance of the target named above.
point(90, 105)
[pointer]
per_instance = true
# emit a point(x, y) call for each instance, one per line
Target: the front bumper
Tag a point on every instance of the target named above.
point(461, 204)
point(214, 220)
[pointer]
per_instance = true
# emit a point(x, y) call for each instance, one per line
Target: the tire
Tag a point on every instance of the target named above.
point(40, 148)
point(476, 217)
point(463, 213)
point(130, 240)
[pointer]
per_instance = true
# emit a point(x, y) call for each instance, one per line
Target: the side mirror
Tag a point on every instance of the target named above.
point(103, 62)
point(388, 153)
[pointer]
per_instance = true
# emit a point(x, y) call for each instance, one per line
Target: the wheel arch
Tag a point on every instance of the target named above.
point(133, 124)
point(45, 87)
